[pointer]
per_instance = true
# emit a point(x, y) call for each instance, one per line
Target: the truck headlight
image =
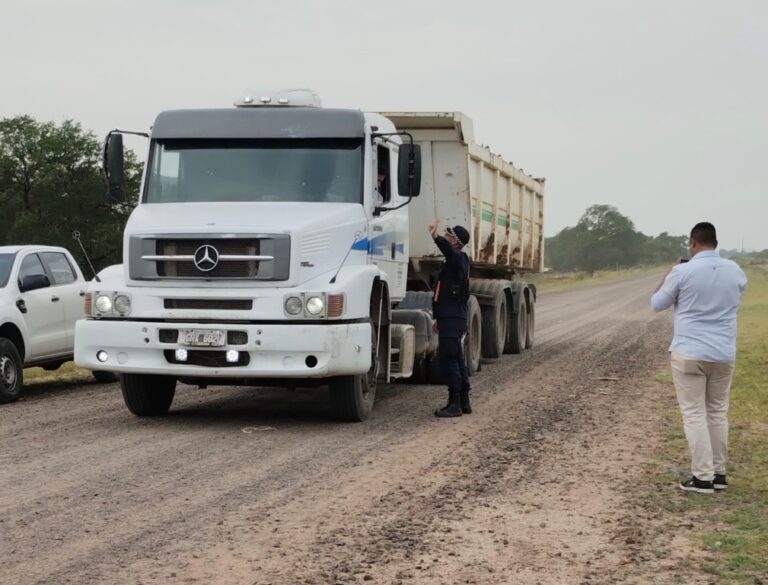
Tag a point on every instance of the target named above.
point(103, 303)
point(294, 305)
point(315, 305)
point(122, 304)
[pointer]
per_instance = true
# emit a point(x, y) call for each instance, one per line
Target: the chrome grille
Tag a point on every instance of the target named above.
point(263, 257)
point(187, 269)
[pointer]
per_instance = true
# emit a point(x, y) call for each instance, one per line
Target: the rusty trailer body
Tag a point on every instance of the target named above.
point(465, 183)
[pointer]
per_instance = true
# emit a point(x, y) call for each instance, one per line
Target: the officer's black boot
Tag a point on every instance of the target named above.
point(453, 408)
point(466, 407)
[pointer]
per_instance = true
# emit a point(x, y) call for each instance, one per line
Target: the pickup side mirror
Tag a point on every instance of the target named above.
point(409, 170)
point(34, 282)
point(113, 166)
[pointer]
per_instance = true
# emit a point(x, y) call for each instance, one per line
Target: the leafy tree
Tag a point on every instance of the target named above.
point(665, 248)
point(51, 184)
point(604, 238)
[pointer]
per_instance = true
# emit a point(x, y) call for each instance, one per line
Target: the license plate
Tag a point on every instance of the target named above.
point(202, 337)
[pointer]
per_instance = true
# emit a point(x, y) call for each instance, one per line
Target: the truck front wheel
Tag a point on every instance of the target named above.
point(148, 394)
point(352, 397)
point(11, 372)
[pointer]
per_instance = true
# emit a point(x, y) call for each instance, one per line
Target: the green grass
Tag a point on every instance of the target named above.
point(732, 525)
point(551, 281)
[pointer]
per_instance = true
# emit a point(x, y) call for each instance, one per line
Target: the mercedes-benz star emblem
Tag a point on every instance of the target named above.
point(206, 258)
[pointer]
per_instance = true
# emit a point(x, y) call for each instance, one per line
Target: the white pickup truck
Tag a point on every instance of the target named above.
point(41, 298)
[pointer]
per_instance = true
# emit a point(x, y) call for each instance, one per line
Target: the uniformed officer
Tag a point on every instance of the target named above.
point(450, 310)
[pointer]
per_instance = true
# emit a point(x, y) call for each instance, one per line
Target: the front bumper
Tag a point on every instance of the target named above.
point(275, 351)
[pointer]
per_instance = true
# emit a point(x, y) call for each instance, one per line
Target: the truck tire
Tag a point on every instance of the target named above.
point(352, 397)
point(104, 377)
point(530, 329)
point(11, 372)
point(421, 370)
point(434, 371)
point(518, 326)
point(495, 325)
point(148, 394)
point(474, 338)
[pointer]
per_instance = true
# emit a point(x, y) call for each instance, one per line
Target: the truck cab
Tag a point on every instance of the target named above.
point(268, 245)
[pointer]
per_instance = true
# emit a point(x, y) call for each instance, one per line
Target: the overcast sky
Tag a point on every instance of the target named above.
point(657, 107)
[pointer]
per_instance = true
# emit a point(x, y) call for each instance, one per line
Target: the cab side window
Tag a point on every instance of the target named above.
point(59, 267)
point(382, 174)
point(30, 266)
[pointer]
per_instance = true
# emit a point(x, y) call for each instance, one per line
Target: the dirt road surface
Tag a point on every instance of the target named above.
point(239, 486)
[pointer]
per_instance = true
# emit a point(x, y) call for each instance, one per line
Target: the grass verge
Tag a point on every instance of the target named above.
point(69, 372)
point(731, 526)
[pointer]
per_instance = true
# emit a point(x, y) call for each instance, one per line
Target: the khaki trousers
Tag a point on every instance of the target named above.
point(703, 392)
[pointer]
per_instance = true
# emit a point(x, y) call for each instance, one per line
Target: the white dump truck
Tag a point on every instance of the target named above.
point(278, 242)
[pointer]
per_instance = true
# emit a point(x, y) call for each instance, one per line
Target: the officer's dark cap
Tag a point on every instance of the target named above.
point(461, 233)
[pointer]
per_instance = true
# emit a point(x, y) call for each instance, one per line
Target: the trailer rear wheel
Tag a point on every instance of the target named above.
point(516, 335)
point(531, 326)
point(148, 394)
point(495, 324)
point(474, 337)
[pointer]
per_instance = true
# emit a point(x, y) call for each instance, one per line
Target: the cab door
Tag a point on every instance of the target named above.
point(68, 284)
point(388, 241)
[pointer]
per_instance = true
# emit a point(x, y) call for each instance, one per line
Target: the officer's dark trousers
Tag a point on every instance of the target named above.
point(452, 361)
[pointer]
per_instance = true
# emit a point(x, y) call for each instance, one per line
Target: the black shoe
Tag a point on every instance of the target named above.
point(719, 482)
point(466, 407)
point(453, 408)
point(697, 485)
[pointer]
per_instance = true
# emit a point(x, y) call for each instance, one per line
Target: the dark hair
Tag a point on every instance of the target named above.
point(704, 233)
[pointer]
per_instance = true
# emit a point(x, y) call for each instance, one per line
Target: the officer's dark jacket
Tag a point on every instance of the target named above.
point(452, 289)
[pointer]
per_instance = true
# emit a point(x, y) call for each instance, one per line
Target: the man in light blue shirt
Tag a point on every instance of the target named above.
point(706, 293)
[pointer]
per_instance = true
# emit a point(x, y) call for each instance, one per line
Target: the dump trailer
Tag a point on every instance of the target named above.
point(279, 242)
point(465, 183)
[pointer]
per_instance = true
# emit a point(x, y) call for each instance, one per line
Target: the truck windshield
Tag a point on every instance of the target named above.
point(6, 263)
point(213, 170)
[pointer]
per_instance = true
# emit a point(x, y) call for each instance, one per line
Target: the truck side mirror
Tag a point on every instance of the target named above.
point(113, 166)
point(34, 282)
point(409, 170)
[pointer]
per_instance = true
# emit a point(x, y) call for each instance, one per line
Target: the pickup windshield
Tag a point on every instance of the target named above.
point(218, 170)
point(6, 263)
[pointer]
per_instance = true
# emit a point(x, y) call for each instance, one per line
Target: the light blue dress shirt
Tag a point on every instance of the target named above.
point(706, 292)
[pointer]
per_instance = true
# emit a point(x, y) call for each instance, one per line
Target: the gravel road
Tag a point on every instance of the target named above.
point(255, 486)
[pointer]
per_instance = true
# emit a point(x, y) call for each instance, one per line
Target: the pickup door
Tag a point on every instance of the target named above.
point(44, 316)
point(68, 284)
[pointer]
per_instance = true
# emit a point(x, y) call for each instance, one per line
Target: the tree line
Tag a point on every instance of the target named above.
point(603, 238)
point(51, 184)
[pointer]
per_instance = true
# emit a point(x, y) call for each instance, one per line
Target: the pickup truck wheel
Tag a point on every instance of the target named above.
point(148, 394)
point(104, 377)
point(11, 372)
